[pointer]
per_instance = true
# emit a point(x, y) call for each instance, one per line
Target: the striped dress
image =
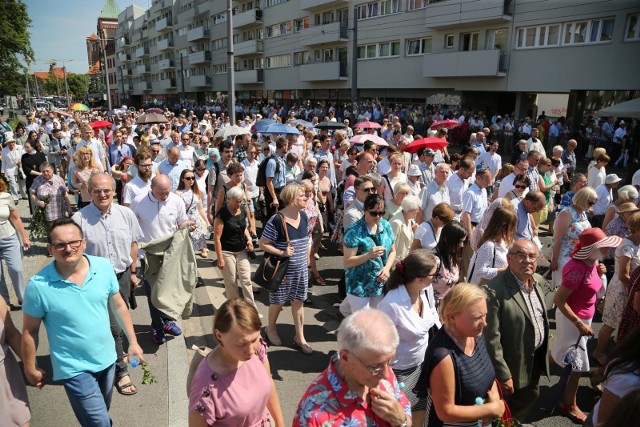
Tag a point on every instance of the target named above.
point(297, 278)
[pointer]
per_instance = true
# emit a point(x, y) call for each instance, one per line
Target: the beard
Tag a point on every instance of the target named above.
point(145, 174)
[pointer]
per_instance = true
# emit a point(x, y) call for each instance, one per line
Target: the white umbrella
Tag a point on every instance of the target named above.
point(624, 109)
point(233, 130)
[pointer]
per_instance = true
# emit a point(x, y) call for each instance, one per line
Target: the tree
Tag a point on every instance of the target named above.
point(77, 84)
point(15, 44)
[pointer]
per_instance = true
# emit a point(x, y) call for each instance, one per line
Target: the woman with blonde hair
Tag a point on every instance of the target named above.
point(393, 206)
point(85, 166)
point(491, 256)
point(232, 386)
point(568, 225)
point(394, 177)
point(403, 224)
point(457, 368)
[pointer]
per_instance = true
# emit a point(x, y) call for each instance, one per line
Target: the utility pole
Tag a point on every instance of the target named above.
point(28, 90)
point(35, 78)
point(182, 77)
point(66, 86)
point(354, 59)
point(231, 83)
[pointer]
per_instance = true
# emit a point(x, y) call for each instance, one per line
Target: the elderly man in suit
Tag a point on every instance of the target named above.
point(517, 332)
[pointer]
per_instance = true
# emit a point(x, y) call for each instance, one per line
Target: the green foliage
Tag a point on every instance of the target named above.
point(38, 228)
point(15, 44)
point(14, 122)
point(77, 84)
point(147, 376)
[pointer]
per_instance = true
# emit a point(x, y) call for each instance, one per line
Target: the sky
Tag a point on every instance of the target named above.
point(59, 29)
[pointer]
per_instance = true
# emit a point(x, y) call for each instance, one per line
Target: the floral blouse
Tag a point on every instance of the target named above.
point(362, 280)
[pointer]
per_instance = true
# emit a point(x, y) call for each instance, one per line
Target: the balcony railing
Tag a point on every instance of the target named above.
point(198, 33)
point(322, 4)
point(322, 71)
point(165, 44)
point(200, 81)
point(164, 24)
point(243, 77)
point(143, 69)
point(461, 13)
point(200, 57)
point(249, 47)
point(166, 64)
point(327, 33)
point(142, 51)
point(246, 18)
point(476, 63)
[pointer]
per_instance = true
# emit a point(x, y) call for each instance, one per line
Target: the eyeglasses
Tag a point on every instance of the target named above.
point(521, 187)
point(377, 213)
point(98, 191)
point(368, 190)
point(155, 151)
point(146, 165)
point(523, 256)
point(374, 370)
point(74, 244)
point(201, 169)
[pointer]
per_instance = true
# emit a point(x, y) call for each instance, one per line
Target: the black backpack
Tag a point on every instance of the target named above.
point(261, 178)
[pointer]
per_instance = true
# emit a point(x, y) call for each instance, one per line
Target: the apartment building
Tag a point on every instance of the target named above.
point(480, 53)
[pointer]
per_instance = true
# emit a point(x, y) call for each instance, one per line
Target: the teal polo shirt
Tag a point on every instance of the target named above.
point(76, 318)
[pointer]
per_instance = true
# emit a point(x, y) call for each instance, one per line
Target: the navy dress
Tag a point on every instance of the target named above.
point(474, 375)
point(297, 276)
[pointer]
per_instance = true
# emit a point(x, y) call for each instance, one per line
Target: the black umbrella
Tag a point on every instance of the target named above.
point(330, 125)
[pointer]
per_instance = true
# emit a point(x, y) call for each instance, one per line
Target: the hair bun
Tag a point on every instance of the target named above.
point(400, 267)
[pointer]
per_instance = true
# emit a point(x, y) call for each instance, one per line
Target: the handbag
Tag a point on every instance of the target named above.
point(273, 268)
point(506, 415)
point(21, 175)
point(483, 281)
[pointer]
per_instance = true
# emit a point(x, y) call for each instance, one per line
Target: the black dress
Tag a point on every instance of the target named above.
point(474, 374)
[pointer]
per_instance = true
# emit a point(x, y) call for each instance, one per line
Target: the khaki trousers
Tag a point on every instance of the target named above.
point(237, 272)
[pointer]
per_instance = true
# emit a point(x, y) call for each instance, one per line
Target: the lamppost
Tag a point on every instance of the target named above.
point(106, 74)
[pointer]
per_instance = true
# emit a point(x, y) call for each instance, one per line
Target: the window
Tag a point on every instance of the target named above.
point(416, 4)
point(380, 50)
point(418, 46)
point(278, 61)
point(182, 31)
point(632, 32)
point(219, 18)
point(220, 69)
point(300, 24)
point(449, 39)
point(219, 43)
point(378, 8)
point(280, 29)
point(300, 58)
point(268, 3)
point(468, 41)
point(327, 55)
point(542, 36)
point(593, 31)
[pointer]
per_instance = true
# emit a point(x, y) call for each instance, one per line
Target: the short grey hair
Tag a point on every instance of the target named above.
point(557, 149)
point(628, 192)
point(235, 193)
point(368, 329)
point(411, 203)
point(310, 159)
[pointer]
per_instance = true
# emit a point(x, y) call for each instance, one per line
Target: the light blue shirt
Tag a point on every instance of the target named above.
point(279, 179)
point(76, 317)
point(173, 171)
point(523, 230)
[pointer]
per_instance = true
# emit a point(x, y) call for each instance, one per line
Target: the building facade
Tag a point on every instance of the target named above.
point(488, 53)
point(101, 49)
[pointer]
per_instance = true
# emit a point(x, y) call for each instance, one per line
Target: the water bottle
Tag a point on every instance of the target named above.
point(479, 401)
point(134, 361)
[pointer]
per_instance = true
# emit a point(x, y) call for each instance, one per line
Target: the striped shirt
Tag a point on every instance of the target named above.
point(536, 310)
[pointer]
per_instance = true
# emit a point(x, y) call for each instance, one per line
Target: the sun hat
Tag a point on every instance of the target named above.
point(612, 179)
point(628, 207)
point(8, 137)
point(414, 170)
point(592, 239)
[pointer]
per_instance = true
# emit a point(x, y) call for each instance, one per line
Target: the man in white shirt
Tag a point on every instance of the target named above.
point(160, 212)
point(187, 151)
point(534, 144)
point(435, 192)
point(11, 162)
point(474, 200)
point(251, 164)
point(491, 159)
point(142, 182)
point(458, 183)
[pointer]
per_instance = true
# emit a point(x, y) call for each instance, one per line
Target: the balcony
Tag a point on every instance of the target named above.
point(321, 34)
point(125, 72)
point(247, 18)
point(250, 47)
point(122, 42)
point(137, 35)
point(164, 24)
point(142, 86)
point(143, 69)
point(201, 9)
point(198, 33)
point(322, 4)
point(167, 3)
point(200, 81)
point(166, 64)
point(124, 57)
point(166, 84)
point(246, 77)
point(201, 57)
point(322, 71)
point(461, 13)
point(478, 63)
point(165, 44)
point(126, 86)
point(142, 52)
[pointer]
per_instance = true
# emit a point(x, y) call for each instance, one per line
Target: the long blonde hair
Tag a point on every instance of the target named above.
point(77, 158)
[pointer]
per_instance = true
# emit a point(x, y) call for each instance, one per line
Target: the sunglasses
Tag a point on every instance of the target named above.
point(593, 202)
point(189, 178)
point(521, 187)
point(368, 190)
point(377, 213)
point(201, 170)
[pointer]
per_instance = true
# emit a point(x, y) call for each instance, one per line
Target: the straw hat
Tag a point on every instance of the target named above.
point(627, 207)
point(592, 239)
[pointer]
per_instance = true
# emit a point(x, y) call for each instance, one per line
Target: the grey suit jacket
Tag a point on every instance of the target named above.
point(510, 335)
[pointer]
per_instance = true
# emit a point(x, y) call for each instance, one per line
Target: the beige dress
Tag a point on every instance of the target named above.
point(14, 403)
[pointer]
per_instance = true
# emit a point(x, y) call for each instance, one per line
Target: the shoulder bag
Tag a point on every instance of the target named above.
point(271, 271)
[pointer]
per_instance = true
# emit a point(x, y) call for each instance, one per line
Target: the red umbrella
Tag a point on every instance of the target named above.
point(433, 143)
point(100, 124)
point(447, 124)
point(360, 139)
point(368, 125)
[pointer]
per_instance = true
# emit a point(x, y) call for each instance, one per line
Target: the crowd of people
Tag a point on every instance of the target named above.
point(444, 317)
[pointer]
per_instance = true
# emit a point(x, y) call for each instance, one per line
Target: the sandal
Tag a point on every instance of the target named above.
point(319, 280)
point(566, 410)
point(274, 339)
point(121, 388)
